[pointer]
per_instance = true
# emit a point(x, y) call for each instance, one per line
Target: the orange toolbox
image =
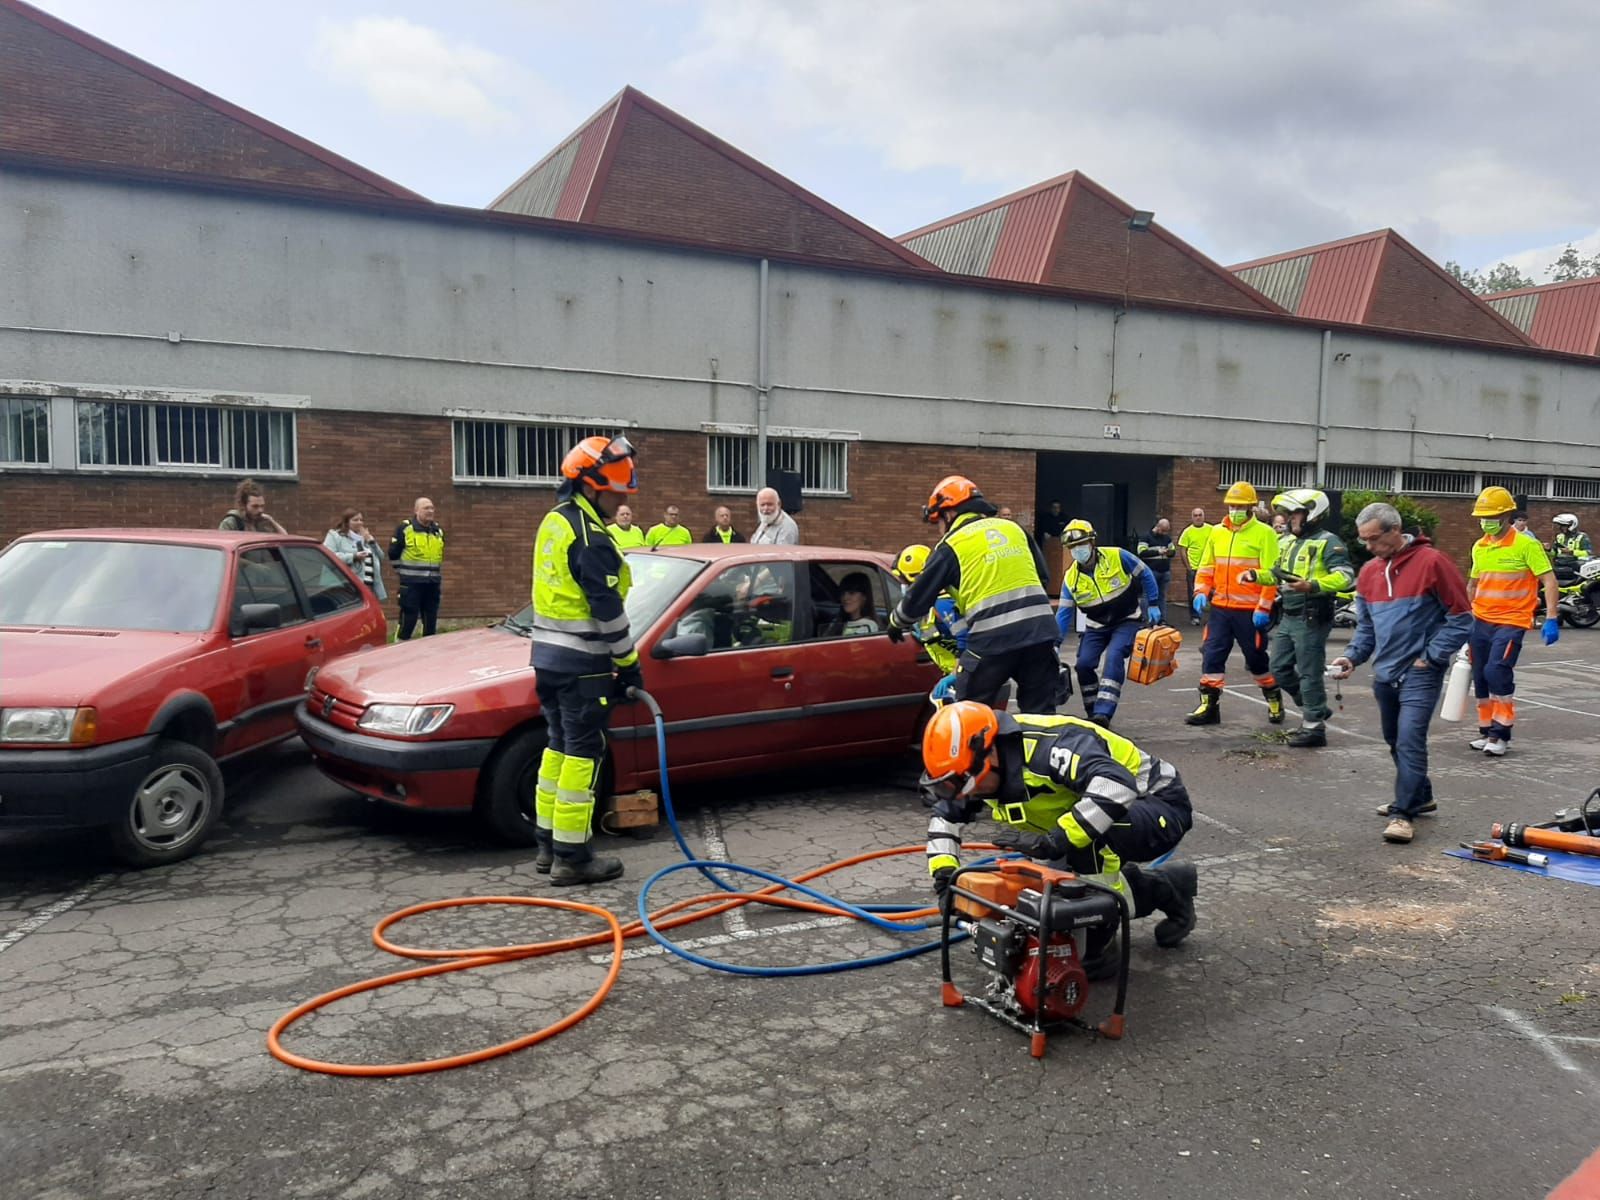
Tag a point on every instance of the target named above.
point(1155, 654)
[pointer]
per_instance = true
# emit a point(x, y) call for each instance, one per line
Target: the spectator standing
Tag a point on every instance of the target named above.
point(774, 527)
point(1412, 614)
point(669, 532)
point(417, 550)
point(1005, 513)
point(722, 529)
point(1192, 541)
point(249, 512)
point(1051, 522)
point(1156, 549)
point(623, 531)
point(358, 550)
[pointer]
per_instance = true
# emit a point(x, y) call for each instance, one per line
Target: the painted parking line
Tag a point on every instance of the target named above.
point(1545, 1041)
point(49, 913)
point(1332, 728)
point(717, 851)
point(1522, 698)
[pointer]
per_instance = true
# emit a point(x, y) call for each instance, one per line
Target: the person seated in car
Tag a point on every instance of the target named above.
point(855, 609)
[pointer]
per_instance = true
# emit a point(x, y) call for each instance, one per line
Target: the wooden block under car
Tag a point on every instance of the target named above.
point(634, 810)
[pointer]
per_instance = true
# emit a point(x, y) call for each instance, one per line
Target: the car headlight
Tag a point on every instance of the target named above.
point(406, 720)
point(73, 726)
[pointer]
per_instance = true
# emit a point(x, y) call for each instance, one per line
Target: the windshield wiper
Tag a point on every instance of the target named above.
point(520, 628)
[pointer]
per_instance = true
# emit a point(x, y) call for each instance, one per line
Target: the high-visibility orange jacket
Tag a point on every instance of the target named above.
point(1506, 569)
point(1228, 553)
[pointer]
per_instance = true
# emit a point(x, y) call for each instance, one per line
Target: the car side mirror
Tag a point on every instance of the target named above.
point(252, 617)
point(685, 645)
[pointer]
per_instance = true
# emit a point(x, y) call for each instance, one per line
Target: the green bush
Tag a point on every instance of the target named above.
point(1413, 514)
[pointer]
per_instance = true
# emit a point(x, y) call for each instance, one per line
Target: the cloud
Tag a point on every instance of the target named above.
point(412, 70)
point(1248, 126)
point(1536, 262)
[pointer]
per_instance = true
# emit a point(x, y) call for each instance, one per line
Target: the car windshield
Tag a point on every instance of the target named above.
point(110, 585)
point(657, 582)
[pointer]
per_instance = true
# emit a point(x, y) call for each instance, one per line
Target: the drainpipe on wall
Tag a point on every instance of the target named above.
point(763, 389)
point(1322, 407)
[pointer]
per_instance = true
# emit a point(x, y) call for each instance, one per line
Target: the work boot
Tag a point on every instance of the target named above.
point(1102, 719)
point(1274, 698)
point(544, 853)
point(1102, 961)
point(1209, 711)
point(597, 869)
point(1310, 735)
point(1173, 893)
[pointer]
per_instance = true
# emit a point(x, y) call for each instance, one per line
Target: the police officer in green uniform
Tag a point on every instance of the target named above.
point(417, 551)
point(1313, 566)
point(583, 655)
point(995, 574)
point(1070, 792)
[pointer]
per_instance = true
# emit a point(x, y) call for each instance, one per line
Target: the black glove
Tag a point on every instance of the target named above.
point(895, 631)
point(941, 880)
point(1034, 845)
point(627, 677)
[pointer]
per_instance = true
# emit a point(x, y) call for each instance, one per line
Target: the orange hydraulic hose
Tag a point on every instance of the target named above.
point(711, 904)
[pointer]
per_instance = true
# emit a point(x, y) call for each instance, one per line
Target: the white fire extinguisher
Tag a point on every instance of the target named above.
point(1454, 705)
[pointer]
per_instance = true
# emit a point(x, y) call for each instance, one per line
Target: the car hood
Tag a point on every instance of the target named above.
point(443, 668)
point(65, 667)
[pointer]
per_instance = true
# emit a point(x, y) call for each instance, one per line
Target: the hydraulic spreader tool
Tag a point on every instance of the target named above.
point(1027, 925)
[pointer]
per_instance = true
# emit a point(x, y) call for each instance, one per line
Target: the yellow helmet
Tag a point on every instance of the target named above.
point(1241, 495)
point(1077, 531)
point(911, 561)
point(1494, 502)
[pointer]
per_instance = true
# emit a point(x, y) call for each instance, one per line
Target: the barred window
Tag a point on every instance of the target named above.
point(823, 466)
point(1520, 485)
point(201, 437)
point(1566, 488)
point(516, 452)
point(1347, 477)
point(25, 430)
point(1444, 483)
point(1266, 476)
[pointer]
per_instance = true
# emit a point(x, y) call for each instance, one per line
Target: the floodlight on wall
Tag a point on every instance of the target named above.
point(1141, 219)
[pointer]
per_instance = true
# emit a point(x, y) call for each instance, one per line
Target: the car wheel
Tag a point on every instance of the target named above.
point(173, 808)
point(509, 779)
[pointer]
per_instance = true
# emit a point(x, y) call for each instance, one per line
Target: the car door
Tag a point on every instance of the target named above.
point(739, 705)
point(341, 620)
point(269, 665)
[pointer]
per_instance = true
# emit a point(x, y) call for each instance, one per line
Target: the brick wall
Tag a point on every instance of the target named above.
point(61, 99)
point(381, 464)
point(1413, 294)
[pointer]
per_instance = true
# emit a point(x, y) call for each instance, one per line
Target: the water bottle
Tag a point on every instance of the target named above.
point(1454, 705)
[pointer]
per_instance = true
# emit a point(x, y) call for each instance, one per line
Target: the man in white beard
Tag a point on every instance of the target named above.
point(774, 526)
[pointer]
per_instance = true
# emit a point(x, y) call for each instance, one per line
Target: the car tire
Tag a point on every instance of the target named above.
point(505, 788)
point(172, 809)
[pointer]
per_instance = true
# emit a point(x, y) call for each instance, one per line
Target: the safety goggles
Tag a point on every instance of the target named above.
point(619, 449)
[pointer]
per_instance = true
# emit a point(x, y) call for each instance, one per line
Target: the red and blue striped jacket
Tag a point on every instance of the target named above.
point(1411, 606)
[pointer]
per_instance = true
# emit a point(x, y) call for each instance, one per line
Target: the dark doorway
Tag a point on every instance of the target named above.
point(1122, 510)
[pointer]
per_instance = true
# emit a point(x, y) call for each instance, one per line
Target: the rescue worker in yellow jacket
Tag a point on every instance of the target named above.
point(1237, 551)
point(583, 655)
point(1507, 572)
point(995, 574)
point(943, 632)
point(1116, 593)
point(1072, 793)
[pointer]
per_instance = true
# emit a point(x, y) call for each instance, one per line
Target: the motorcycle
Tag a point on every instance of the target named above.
point(1344, 610)
point(1578, 602)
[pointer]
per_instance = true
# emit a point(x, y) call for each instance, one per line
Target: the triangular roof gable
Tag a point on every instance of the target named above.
point(1072, 232)
point(1377, 279)
point(68, 96)
point(1557, 316)
point(638, 165)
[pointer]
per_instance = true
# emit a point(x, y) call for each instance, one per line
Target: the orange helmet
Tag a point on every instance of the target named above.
point(955, 748)
point(951, 491)
point(606, 464)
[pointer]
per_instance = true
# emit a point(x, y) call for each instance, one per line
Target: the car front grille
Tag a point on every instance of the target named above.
point(339, 712)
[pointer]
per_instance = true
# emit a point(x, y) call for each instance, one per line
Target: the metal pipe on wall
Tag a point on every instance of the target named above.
point(763, 385)
point(1322, 408)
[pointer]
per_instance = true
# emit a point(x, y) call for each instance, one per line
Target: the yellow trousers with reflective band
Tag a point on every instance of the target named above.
point(564, 802)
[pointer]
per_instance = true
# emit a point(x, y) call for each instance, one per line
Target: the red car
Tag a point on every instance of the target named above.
point(759, 659)
point(133, 660)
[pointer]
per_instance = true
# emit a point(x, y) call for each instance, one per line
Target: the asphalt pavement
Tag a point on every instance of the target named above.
point(1349, 1018)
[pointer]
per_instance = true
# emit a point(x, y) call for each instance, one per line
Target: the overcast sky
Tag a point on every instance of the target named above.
point(1249, 127)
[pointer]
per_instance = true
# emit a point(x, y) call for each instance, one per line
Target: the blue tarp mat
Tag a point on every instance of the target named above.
point(1577, 868)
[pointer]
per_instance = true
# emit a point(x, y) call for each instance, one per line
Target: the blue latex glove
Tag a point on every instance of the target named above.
point(1201, 603)
point(945, 689)
point(1260, 618)
point(1155, 614)
point(1552, 630)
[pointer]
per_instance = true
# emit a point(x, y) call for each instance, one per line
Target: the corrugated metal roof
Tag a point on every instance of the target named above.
point(1032, 226)
point(1283, 281)
point(965, 248)
point(1340, 282)
point(1518, 310)
point(580, 180)
point(1561, 316)
point(538, 192)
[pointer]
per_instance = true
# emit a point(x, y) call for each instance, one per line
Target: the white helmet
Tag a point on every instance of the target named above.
point(1307, 500)
point(1567, 521)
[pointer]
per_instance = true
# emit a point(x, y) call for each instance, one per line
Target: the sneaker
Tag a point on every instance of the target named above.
point(1478, 743)
point(1397, 830)
point(1427, 810)
point(1494, 748)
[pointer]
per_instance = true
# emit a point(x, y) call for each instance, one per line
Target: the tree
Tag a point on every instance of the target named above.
point(1571, 265)
point(1502, 277)
point(1413, 516)
point(1470, 280)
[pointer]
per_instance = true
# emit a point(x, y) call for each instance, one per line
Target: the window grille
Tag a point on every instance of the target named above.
point(25, 430)
point(515, 451)
point(1347, 477)
point(1566, 488)
point(823, 466)
point(201, 437)
point(1443, 483)
point(1266, 476)
point(1520, 485)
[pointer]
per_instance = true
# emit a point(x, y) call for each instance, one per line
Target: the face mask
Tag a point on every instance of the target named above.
point(1489, 526)
point(1082, 553)
point(1239, 515)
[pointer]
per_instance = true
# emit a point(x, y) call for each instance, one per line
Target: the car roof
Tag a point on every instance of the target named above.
point(219, 538)
point(736, 552)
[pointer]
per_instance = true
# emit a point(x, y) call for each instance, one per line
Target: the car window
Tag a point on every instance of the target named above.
point(262, 579)
point(70, 584)
point(746, 606)
point(326, 587)
point(850, 599)
point(657, 582)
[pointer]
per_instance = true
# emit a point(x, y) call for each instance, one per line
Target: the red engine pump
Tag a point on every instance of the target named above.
point(1066, 985)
